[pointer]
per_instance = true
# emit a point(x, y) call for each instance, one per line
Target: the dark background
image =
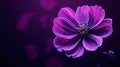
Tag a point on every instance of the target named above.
point(13, 40)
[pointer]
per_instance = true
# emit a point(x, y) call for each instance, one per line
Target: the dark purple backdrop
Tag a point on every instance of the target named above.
point(26, 35)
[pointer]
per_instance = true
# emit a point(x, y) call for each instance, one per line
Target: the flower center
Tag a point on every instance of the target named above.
point(83, 29)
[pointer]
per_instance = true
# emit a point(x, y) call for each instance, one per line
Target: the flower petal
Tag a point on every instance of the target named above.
point(69, 14)
point(104, 29)
point(76, 52)
point(82, 14)
point(92, 42)
point(97, 15)
point(66, 44)
point(63, 28)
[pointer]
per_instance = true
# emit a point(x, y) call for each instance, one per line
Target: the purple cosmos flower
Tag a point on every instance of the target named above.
point(82, 30)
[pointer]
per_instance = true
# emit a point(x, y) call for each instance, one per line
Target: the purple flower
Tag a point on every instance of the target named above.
point(83, 30)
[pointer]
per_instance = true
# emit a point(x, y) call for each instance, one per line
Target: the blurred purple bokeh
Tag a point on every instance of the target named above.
point(48, 4)
point(24, 20)
point(31, 52)
point(54, 62)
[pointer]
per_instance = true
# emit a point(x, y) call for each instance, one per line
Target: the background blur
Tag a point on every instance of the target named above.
point(26, 35)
